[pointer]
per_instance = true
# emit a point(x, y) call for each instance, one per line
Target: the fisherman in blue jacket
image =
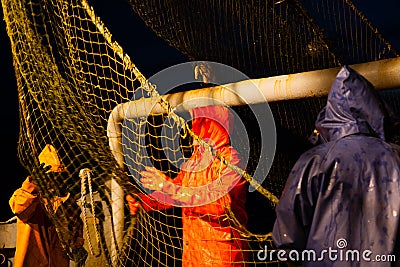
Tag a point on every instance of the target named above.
point(341, 202)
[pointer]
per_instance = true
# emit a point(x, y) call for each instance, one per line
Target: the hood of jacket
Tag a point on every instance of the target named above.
point(212, 124)
point(353, 107)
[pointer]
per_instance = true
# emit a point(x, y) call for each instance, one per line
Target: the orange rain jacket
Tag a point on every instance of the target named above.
point(210, 238)
point(38, 244)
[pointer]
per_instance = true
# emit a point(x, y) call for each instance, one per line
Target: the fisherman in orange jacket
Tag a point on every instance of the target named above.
point(38, 243)
point(210, 237)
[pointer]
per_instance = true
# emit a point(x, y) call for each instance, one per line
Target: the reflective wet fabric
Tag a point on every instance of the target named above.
point(341, 202)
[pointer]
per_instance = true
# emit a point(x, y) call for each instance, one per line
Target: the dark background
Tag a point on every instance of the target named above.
point(149, 52)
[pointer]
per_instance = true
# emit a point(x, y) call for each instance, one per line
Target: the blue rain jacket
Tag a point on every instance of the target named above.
point(341, 202)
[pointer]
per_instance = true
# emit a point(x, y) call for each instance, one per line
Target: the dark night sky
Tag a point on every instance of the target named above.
point(150, 54)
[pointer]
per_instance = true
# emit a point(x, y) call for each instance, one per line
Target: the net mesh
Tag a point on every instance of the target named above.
point(72, 74)
point(267, 38)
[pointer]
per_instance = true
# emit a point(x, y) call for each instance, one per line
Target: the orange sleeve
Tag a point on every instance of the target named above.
point(24, 200)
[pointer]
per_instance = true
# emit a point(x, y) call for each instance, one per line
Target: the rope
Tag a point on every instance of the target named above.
point(85, 174)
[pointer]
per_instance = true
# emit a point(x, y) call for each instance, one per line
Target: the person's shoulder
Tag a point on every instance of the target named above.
point(318, 150)
point(316, 156)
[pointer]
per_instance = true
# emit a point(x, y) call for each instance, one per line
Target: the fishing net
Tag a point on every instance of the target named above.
point(74, 80)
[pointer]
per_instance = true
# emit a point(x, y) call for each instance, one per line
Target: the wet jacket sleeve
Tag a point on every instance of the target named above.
point(294, 212)
point(24, 200)
point(174, 194)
